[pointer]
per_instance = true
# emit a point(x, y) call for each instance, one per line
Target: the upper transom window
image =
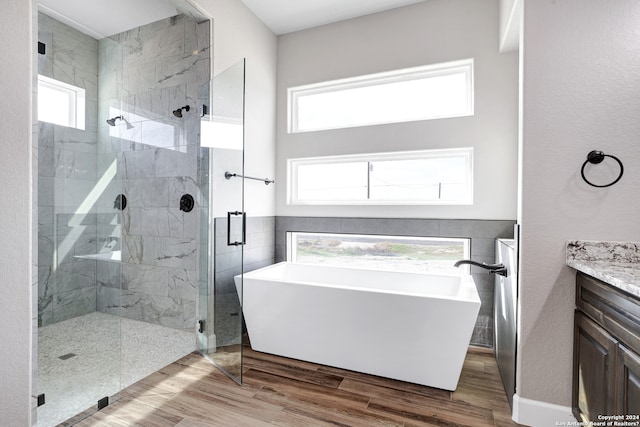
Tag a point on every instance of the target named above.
point(419, 93)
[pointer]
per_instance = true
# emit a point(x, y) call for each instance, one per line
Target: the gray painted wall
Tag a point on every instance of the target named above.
point(238, 34)
point(573, 101)
point(424, 33)
point(15, 174)
point(481, 232)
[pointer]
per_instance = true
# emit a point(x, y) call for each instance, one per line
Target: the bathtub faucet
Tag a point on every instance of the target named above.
point(493, 268)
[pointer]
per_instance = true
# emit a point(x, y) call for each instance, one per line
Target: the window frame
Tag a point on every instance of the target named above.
point(77, 101)
point(369, 80)
point(293, 164)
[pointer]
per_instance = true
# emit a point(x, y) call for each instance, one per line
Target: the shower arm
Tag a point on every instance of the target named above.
point(266, 181)
point(498, 269)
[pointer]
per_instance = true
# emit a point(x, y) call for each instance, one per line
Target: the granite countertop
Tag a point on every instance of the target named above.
point(615, 263)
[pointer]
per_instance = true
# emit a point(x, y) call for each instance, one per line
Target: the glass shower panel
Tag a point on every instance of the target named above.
point(223, 223)
point(79, 332)
point(159, 132)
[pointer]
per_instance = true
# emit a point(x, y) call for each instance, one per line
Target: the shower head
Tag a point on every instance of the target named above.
point(112, 122)
point(178, 112)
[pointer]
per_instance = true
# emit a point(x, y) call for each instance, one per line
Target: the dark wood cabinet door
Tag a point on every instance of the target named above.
point(593, 370)
point(628, 378)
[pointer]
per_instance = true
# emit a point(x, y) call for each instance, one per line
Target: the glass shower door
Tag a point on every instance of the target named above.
point(223, 220)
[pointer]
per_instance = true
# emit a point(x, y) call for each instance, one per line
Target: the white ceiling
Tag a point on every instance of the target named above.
point(285, 16)
point(102, 18)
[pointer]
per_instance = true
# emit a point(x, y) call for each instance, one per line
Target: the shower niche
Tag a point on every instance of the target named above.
point(121, 248)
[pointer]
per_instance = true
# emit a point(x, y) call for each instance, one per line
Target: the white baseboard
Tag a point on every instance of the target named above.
point(540, 414)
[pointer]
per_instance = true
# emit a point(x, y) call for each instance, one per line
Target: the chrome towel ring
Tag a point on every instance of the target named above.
point(594, 157)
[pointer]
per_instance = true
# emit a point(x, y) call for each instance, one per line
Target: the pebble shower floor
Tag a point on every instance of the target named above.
point(89, 357)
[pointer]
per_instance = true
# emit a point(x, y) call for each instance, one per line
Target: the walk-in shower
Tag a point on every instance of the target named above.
point(123, 201)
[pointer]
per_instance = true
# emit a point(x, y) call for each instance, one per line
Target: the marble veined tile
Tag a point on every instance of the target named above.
point(75, 275)
point(139, 164)
point(153, 222)
point(138, 78)
point(179, 186)
point(182, 224)
point(176, 221)
point(163, 133)
point(109, 300)
point(155, 104)
point(159, 310)
point(138, 249)
point(146, 279)
point(77, 165)
point(109, 274)
point(48, 160)
point(75, 139)
point(67, 305)
point(175, 163)
point(162, 222)
point(45, 134)
point(152, 192)
point(46, 249)
point(176, 253)
point(147, 46)
point(179, 69)
point(183, 284)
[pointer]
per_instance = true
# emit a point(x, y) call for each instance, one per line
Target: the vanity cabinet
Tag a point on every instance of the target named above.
point(606, 349)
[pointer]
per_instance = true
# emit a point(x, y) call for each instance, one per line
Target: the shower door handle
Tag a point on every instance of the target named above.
point(244, 228)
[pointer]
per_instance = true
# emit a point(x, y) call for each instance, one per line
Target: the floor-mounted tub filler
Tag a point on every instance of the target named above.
point(406, 326)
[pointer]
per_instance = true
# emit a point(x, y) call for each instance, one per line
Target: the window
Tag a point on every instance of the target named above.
point(417, 177)
point(60, 103)
point(420, 93)
point(432, 255)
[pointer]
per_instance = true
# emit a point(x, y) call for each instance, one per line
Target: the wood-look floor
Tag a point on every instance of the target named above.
point(283, 392)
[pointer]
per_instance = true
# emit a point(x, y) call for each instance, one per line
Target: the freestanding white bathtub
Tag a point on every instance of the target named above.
point(406, 326)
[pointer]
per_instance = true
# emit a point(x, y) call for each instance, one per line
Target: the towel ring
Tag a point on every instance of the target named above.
point(594, 157)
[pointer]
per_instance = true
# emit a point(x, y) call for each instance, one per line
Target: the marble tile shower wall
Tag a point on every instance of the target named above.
point(481, 232)
point(146, 73)
point(66, 177)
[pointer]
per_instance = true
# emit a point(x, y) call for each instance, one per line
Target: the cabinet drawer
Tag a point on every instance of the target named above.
point(615, 310)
